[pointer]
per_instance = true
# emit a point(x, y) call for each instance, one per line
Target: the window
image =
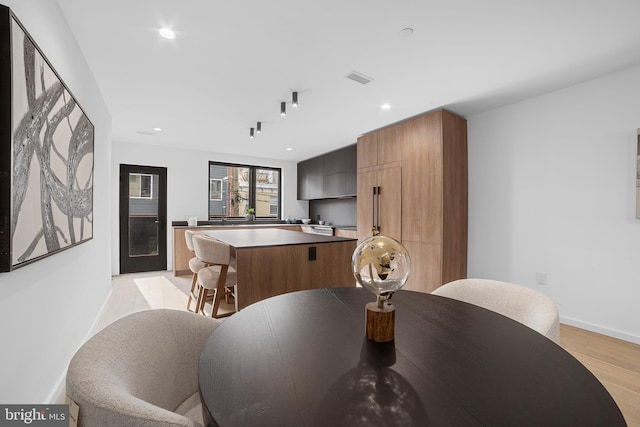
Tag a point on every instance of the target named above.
point(215, 189)
point(140, 186)
point(242, 187)
point(273, 205)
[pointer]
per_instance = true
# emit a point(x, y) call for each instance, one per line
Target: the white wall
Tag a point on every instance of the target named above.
point(187, 184)
point(47, 308)
point(552, 190)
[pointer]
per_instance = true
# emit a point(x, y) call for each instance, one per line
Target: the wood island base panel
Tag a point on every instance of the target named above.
point(269, 271)
point(272, 262)
point(182, 255)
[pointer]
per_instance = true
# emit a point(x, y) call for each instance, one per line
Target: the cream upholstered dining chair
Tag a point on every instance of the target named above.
point(141, 370)
point(195, 265)
point(217, 279)
point(525, 305)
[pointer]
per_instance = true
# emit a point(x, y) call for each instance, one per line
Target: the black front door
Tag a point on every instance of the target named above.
point(143, 218)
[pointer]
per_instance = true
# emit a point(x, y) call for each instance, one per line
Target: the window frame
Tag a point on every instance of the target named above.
point(140, 196)
point(252, 188)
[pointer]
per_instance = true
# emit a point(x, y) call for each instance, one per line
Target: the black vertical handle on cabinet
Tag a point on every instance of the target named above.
point(373, 212)
point(375, 229)
point(378, 216)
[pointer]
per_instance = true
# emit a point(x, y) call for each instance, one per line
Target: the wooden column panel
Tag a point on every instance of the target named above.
point(422, 180)
point(455, 198)
point(426, 261)
point(367, 151)
point(390, 144)
point(366, 181)
point(390, 182)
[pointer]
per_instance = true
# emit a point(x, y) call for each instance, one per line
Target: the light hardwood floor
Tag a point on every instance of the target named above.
point(614, 362)
point(143, 291)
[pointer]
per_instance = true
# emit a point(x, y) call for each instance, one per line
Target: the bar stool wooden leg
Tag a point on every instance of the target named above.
point(228, 295)
point(202, 296)
point(216, 304)
point(192, 294)
point(197, 294)
point(217, 298)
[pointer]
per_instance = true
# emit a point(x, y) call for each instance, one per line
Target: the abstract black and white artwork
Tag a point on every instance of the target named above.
point(47, 145)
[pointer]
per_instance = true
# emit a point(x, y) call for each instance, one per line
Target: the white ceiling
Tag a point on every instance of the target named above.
point(233, 62)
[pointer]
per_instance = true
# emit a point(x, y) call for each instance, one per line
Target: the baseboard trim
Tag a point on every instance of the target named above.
point(600, 330)
point(57, 395)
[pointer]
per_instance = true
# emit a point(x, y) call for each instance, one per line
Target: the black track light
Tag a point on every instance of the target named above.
point(294, 99)
point(251, 135)
point(283, 108)
point(258, 127)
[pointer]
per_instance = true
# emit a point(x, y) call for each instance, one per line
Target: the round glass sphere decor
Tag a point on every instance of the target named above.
point(381, 264)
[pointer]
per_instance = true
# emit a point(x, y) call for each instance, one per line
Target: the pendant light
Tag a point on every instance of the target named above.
point(294, 99)
point(283, 108)
point(251, 135)
point(259, 127)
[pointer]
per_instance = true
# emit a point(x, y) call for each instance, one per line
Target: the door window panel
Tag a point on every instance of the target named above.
point(143, 215)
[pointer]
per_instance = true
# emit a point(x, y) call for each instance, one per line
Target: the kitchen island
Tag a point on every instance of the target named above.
point(182, 255)
point(272, 261)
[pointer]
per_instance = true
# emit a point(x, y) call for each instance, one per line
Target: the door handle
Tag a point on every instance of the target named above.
point(373, 212)
point(375, 208)
point(378, 216)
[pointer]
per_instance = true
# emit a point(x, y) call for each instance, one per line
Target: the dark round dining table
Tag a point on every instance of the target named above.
point(303, 359)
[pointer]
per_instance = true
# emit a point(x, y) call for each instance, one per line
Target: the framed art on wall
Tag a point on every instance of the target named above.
point(46, 154)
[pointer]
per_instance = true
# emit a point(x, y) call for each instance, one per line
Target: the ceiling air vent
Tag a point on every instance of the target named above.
point(359, 77)
point(145, 132)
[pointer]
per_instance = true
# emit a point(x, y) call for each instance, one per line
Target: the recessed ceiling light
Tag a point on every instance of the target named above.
point(385, 106)
point(157, 129)
point(167, 33)
point(406, 32)
point(289, 149)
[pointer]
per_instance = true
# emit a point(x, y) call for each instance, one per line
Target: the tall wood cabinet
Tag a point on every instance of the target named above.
point(379, 171)
point(420, 167)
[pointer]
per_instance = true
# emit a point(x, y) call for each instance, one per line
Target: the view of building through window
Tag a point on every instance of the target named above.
point(267, 192)
point(140, 185)
point(235, 188)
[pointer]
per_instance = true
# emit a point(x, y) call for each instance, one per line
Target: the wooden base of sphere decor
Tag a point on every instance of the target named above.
point(380, 322)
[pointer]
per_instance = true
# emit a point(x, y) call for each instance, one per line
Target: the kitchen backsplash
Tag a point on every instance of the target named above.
point(334, 211)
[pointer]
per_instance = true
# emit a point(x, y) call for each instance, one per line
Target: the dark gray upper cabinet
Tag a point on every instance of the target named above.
point(316, 172)
point(334, 162)
point(351, 170)
point(303, 180)
point(329, 176)
point(333, 185)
